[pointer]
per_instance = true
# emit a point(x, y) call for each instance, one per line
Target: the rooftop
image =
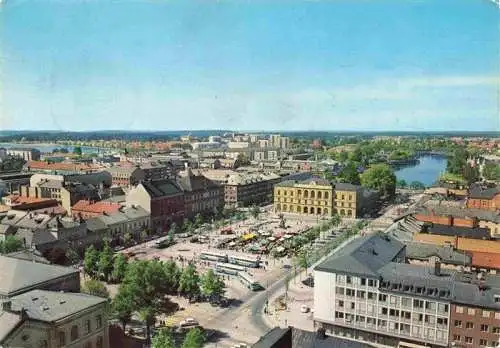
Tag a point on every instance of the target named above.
point(70, 167)
point(161, 188)
point(96, 207)
point(435, 207)
point(16, 274)
point(447, 254)
point(49, 306)
point(480, 192)
point(467, 232)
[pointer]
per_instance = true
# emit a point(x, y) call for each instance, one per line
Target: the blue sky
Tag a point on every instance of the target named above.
point(250, 65)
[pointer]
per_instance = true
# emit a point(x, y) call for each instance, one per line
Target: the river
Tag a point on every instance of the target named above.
point(427, 171)
point(48, 148)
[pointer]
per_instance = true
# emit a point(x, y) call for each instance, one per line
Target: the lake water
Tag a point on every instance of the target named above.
point(47, 148)
point(427, 171)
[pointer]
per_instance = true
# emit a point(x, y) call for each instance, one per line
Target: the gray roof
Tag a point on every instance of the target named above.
point(480, 192)
point(468, 232)
point(33, 238)
point(16, 275)
point(346, 187)
point(8, 322)
point(364, 256)
point(135, 212)
point(49, 306)
point(95, 224)
point(190, 182)
point(437, 208)
point(161, 188)
point(29, 255)
point(447, 254)
point(122, 170)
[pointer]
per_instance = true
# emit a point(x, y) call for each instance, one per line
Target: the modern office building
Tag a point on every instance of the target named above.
point(367, 292)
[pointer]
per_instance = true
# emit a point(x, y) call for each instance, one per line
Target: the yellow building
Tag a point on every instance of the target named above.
point(320, 197)
point(311, 197)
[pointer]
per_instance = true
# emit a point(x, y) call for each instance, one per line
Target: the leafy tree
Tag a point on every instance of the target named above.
point(350, 174)
point(11, 244)
point(95, 288)
point(198, 220)
point(127, 238)
point(303, 260)
point(417, 185)
point(77, 150)
point(381, 178)
point(119, 268)
point(123, 305)
point(172, 276)
point(401, 183)
point(90, 261)
point(195, 338)
point(356, 155)
point(143, 235)
point(189, 283)
point(471, 174)
point(163, 339)
point(212, 285)
point(491, 171)
point(343, 156)
point(148, 316)
point(173, 229)
point(335, 220)
point(187, 225)
point(457, 161)
point(105, 264)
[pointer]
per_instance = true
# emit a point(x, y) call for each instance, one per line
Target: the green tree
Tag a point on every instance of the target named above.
point(471, 174)
point(95, 288)
point(198, 220)
point(343, 156)
point(148, 317)
point(90, 261)
point(417, 185)
point(491, 171)
point(173, 229)
point(457, 161)
point(119, 268)
point(335, 220)
point(356, 155)
point(350, 174)
point(105, 264)
point(189, 283)
point(143, 235)
point(123, 305)
point(77, 150)
point(172, 276)
point(195, 338)
point(401, 183)
point(127, 238)
point(212, 286)
point(163, 339)
point(11, 244)
point(381, 178)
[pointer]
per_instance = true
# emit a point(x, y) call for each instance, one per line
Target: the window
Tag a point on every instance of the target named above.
point(361, 294)
point(497, 315)
point(459, 309)
point(62, 338)
point(339, 290)
point(74, 333)
point(456, 337)
point(348, 280)
point(372, 282)
point(98, 321)
point(430, 305)
point(363, 281)
point(382, 298)
point(350, 292)
point(471, 311)
point(443, 308)
point(340, 303)
point(371, 296)
point(418, 303)
point(99, 342)
point(469, 325)
point(496, 330)
point(484, 328)
point(442, 321)
point(486, 314)
point(468, 340)
point(483, 342)
point(458, 323)
point(87, 326)
point(406, 302)
point(43, 344)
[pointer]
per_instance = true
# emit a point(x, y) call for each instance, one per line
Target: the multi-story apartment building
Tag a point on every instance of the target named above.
point(12, 182)
point(245, 189)
point(126, 176)
point(158, 171)
point(163, 199)
point(49, 319)
point(366, 291)
point(321, 197)
point(201, 195)
point(311, 197)
point(485, 198)
point(26, 154)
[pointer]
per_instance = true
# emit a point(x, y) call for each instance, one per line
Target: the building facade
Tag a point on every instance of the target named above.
point(26, 154)
point(484, 198)
point(201, 195)
point(54, 320)
point(246, 189)
point(311, 197)
point(163, 199)
point(126, 176)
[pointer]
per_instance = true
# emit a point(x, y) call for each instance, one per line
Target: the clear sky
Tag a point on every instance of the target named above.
point(250, 65)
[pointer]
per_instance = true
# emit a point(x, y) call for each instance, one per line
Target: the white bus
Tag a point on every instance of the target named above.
point(213, 257)
point(245, 261)
point(227, 268)
point(248, 281)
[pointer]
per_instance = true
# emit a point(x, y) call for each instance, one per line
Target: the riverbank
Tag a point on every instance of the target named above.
point(427, 171)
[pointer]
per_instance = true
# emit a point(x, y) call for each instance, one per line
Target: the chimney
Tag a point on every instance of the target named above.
point(6, 305)
point(437, 268)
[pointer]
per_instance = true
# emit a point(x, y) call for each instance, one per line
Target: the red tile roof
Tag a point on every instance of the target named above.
point(18, 200)
point(486, 260)
point(95, 207)
point(41, 165)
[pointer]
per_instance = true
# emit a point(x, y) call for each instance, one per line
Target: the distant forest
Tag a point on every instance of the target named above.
point(52, 136)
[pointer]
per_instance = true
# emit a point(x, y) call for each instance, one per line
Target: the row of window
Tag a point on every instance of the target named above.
point(307, 194)
point(301, 210)
point(472, 311)
point(87, 329)
point(469, 340)
point(346, 279)
point(387, 325)
point(483, 327)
